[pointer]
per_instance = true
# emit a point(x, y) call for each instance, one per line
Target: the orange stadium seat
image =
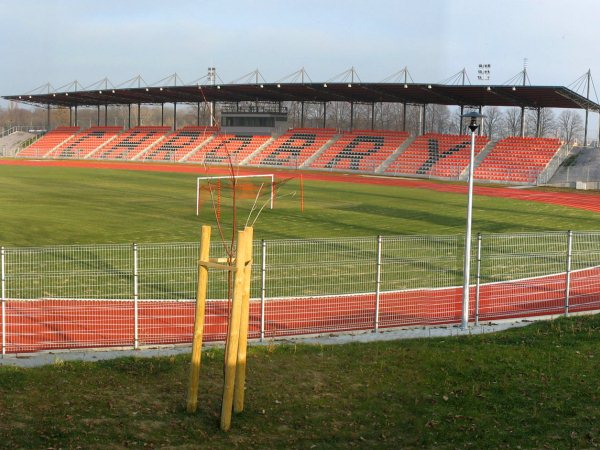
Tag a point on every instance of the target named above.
point(361, 150)
point(131, 143)
point(294, 147)
point(85, 143)
point(436, 155)
point(179, 144)
point(48, 142)
point(517, 160)
point(228, 149)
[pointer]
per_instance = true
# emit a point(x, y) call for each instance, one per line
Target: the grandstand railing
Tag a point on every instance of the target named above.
point(29, 129)
point(93, 296)
point(561, 155)
point(433, 155)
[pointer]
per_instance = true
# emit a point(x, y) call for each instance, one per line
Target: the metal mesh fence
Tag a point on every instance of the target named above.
point(79, 272)
point(522, 274)
point(130, 295)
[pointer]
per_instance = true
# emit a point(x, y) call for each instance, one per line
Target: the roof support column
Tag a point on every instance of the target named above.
point(373, 116)
point(423, 119)
point(212, 113)
point(48, 118)
point(198, 115)
point(404, 116)
point(174, 116)
point(98, 116)
point(460, 124)
point(598, 142)
point(162, 114)
point(585, 130)
point(538, 123)
point(587, 110)
point(301, 114)
point(351, 116)
point(76, 120)
point(324, 114)
point(139, 114)
point(129, 115)
point(105, 115)
point(70, 116)
point(522, 121)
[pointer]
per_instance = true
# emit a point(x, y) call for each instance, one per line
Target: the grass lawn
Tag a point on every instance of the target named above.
point(56, 205)
point(535, 387)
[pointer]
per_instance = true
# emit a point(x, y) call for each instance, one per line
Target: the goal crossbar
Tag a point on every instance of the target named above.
point(199, 180)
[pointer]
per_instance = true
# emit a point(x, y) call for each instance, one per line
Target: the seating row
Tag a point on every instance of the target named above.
point(517, 159)
point(438, 155)
point(49, 142)
point(513, 159)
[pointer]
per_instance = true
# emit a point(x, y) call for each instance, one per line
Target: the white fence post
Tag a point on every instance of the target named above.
point(263, 289)
point(568, 273)
point(2, 263)
point(135, 297)
point(478, 279)
point(377, 283)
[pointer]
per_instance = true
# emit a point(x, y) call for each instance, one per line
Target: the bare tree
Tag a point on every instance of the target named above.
point(492, 122)
point(569, 126)
point(437, 119)
point(547, 122)
point(511, 122)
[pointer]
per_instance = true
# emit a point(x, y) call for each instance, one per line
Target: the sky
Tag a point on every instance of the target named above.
point(60, 41)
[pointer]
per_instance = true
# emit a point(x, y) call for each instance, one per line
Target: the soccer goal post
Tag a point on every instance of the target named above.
point(213, 189)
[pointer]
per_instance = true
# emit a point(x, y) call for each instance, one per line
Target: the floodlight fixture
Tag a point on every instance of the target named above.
point(475, 121)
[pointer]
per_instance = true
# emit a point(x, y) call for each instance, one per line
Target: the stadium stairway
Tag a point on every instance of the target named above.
point(319, 152)
point(548, 172)
point(85, 143)
point(582, 165)
point(132, 143)
point(293, 148)
point(519, 160)
point(384, 165)
point(228, 149)
point(10, 144)
point(435, 155)
point(267, 143)
point(464, 176)
point(198, 149)
point(178, 145)
point(360, 150)
point(48, 142)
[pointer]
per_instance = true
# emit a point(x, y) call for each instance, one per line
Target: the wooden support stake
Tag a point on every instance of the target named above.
point(240, 376)
point(212, 265)
point(192, 400)
point(233, 334)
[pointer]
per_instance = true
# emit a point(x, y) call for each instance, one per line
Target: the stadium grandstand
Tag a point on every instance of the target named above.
point(255, 132)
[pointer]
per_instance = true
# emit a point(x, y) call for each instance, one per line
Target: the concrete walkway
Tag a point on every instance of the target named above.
point(57, 357)
point(9, 145)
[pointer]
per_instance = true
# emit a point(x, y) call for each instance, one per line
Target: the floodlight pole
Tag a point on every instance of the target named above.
point(473, 126)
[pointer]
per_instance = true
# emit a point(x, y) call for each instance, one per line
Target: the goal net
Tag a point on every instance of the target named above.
point(251, 191)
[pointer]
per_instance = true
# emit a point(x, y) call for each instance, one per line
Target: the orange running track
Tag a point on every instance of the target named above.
point(35, 325)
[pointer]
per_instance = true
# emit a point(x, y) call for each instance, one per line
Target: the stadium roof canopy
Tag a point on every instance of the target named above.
point(412, 93)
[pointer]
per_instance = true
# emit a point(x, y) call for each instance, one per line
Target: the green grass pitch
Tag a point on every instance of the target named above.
point(59, 205)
